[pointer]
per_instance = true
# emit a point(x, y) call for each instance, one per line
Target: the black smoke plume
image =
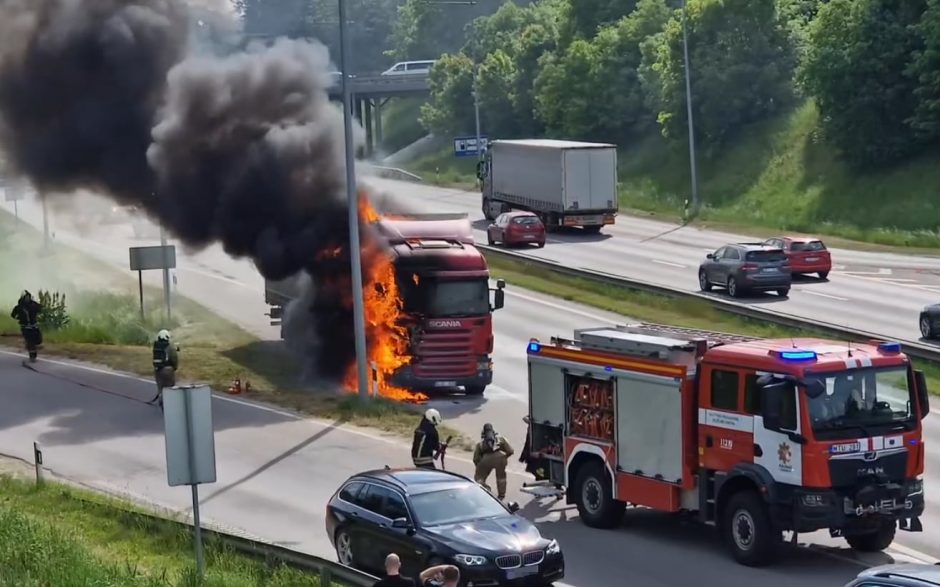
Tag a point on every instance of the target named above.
point(243, 149)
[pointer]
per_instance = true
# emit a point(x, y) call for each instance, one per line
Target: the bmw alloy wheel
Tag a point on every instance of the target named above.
point(925, 327)
point(344, 551)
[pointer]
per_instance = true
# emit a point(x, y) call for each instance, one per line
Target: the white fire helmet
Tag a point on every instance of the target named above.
point(163, 335)
point(433, 416)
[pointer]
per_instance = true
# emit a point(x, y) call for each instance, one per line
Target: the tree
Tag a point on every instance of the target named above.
point(424, 30)
point(583, 18)
point(925, 70)
point(857, 70)
point(798, 14)
point(742, 61)
point(495, 84)
point(450, 109)
point(564, 91)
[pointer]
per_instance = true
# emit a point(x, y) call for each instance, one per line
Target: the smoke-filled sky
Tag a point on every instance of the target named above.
point(112, 96)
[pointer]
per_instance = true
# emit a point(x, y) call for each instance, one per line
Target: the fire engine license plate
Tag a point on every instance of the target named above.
point(445, 384)
point(521, 572)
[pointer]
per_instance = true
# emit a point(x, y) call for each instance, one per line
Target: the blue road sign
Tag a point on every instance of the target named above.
point(467, 146)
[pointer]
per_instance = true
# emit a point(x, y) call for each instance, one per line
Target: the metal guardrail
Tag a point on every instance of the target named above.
point(395, 173)
point(913, 349)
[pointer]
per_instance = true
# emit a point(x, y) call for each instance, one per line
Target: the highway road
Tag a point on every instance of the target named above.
point(234, 289)
point(276, 471)
point(875, 292)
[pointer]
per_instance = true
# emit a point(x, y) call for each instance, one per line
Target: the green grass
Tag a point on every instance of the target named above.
point(400, 126)
point(646, 307)
point(55, 535)
point(106, 329)
point(442, 168)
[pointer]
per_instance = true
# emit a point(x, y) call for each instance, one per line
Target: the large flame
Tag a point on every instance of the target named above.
point(386, 337)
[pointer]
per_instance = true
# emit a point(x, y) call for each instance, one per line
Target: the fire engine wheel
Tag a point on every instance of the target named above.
point(595, 498)
point(875, 541)
point(747, 529)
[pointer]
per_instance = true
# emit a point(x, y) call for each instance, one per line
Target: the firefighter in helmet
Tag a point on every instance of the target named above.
point(26, 312)
point(165, 364)
point(492, 453)
point(427, 442)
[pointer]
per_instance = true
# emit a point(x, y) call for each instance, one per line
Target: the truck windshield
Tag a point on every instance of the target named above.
point(447, 298)
point(859, 400)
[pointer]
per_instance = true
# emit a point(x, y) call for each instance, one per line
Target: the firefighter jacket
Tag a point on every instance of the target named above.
point(164, 355)
point(26, 311)
point(426, 443)
point(502, 445)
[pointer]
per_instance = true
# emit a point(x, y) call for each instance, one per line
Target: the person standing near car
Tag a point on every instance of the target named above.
point(492, 453)
point(393, 577)
point(427, 442)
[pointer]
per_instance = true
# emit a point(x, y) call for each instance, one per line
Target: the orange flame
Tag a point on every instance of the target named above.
point(386, 338)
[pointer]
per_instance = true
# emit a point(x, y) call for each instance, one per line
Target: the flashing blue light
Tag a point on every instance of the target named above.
point(608, 369)
point(913, 442)
point(890, 347)
point(798, 355)
point(534, 346)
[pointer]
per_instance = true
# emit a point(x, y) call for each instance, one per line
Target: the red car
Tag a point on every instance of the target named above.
point(516, 228)
point(806, 254)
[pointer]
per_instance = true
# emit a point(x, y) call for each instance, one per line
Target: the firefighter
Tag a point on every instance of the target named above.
point(492, 452)
point(26, 312)
point(427, 443)
point(165, 364)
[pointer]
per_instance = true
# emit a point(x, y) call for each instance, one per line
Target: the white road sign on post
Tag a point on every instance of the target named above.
point(467, 146)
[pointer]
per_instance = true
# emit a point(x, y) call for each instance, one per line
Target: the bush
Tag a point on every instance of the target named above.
point(54, 315)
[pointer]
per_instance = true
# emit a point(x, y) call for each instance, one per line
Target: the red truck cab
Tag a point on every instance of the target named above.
point(444, 283)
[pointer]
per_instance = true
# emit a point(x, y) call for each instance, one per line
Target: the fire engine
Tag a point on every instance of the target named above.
point(753, 436)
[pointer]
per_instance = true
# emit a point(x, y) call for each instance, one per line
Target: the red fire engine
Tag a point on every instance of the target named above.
point(754, 436)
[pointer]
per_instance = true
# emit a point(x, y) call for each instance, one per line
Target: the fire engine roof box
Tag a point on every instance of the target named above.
point(606, 339)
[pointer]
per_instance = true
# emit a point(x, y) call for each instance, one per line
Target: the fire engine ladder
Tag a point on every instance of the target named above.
point(688, 333)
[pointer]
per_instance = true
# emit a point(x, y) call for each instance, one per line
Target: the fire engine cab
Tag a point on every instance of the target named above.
point(754, 436)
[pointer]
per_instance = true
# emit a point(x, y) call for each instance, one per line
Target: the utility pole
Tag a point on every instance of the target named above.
point(166, 276)
point(476, 110)
point(359, 324)
point(45, 223)
point(688, 105)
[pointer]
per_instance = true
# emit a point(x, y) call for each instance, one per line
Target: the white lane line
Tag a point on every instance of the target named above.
point(823, 295)
point(926, 558)
point(668, 263)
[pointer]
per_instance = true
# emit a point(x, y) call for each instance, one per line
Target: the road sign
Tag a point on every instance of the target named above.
point(467, 146)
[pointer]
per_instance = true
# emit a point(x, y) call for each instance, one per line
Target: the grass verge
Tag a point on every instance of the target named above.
point(647, 307)
point(106, 329)
point(56, 535)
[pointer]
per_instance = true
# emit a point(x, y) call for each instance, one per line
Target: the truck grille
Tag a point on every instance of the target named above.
point(445, 353)
point(512, 561)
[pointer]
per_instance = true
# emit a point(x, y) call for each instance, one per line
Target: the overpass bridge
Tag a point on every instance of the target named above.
point(370, 92)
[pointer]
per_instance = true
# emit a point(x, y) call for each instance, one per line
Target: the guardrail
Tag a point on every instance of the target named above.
point(395, 173)
point(919, 350)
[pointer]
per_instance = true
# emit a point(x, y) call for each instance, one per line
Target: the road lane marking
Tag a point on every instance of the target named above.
point(670, 264)
point(926, 558)
point(823, 295)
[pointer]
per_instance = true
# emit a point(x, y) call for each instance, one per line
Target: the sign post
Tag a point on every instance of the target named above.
point(190, 447)
point(467, 146)
point(150, 258)
point(13, 194)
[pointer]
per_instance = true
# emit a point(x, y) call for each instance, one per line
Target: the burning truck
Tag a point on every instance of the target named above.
point(433, 298)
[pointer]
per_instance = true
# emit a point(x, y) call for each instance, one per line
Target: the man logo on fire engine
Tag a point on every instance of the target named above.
point(784, 454)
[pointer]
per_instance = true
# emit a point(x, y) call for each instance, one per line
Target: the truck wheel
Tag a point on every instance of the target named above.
point(486, 210)
point(475, 389)
point(595, 498)
point(875, 541)
point(747, 530)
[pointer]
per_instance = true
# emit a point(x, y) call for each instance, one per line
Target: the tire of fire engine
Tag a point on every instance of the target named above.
point(823, 274)
point(875, 541)
point(475, 389)
point(733, 289)
point(926, 327)
point(747, 530)
point(783, 292)
point(344, 549)
point(594, 484)
point(703, 283)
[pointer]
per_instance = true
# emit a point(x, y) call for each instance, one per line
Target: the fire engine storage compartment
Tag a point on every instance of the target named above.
point(638, 413)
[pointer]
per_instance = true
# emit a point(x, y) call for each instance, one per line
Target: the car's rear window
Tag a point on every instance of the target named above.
point(766, 256)
point(526, 220)
point(808, 246)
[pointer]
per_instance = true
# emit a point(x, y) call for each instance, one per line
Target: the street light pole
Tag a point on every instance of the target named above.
point(476, 111)
point(359, 325)
point(688, 105)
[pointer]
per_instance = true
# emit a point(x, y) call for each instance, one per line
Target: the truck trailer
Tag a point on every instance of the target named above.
point(567, 183)
point(753, 436)
point(444, 283)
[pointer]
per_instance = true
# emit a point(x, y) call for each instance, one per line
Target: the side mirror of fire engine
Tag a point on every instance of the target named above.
point(923, 395)
point(772, 402)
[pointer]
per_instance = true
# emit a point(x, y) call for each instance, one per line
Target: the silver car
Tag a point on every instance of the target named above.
point(744, 267)
point(903, 575)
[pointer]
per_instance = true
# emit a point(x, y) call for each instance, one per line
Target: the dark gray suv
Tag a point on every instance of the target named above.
point(903, 575)
point(744, 267)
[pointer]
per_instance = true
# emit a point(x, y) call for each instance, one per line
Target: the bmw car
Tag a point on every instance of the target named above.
point(430, 517)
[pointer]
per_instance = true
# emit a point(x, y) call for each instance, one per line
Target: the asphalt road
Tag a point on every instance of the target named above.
point(276, 471)
point(875, 292)
point(235, 290)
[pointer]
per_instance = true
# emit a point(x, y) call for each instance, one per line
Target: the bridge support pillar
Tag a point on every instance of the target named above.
point(378, 121)
point(367, 122)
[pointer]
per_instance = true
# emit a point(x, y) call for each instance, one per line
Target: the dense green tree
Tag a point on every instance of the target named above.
point(450, 110)
point(564, 91)
point(583, 18)
point(856, 69)
point(925, 69)
point(495, 84)
point(426, 30)
point(742, 60)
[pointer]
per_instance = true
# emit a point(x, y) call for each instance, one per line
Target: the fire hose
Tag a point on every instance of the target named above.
point(443, 451)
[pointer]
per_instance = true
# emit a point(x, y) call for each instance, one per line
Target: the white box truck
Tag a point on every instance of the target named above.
point(567, 183)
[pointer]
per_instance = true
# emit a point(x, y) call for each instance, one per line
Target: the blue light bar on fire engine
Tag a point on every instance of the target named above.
point(794, 354)
point(534, 345)
point(890, 347)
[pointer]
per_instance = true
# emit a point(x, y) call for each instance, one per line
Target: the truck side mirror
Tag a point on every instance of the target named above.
point(923, 394)
point(499, 296)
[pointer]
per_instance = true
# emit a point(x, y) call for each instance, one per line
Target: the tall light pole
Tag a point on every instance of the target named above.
point(688, 105)
point(476, 110)
point(359, 323)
